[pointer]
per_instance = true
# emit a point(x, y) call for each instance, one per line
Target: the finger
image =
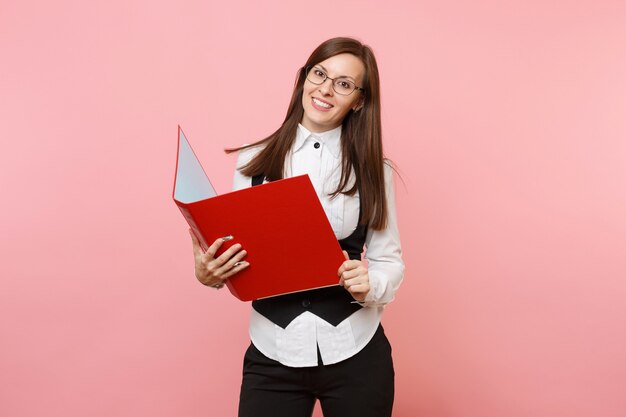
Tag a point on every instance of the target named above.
point(346, 266)
point(344, 280)
point(228, 254)
point(238, 257)
point(361, 279)
point(346, 275)
point(350, 274)
point(216, 283)
point(359, 289)
point(352, 264)
point(241, 265)
point(215, 246)
point(354, 270)
point(346, 255)
point(234, 265)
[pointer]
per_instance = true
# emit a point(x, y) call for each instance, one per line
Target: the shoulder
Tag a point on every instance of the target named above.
point(246, 155)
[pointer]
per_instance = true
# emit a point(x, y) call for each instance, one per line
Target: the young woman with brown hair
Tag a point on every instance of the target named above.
point(328, 343)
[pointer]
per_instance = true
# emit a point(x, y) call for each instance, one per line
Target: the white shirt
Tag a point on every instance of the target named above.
point(297, 344)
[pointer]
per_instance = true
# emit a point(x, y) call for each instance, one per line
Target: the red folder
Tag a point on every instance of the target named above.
point(282, 225)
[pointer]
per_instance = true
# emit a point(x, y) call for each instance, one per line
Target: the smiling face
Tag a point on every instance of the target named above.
point(324, 109)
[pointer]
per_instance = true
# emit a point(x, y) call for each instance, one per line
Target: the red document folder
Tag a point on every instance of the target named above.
point(282, 225)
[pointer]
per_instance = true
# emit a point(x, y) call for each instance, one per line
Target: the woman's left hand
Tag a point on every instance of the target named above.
point(354, 278)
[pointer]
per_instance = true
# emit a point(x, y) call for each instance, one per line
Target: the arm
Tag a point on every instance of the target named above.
point(377, 284)
point(213, 270)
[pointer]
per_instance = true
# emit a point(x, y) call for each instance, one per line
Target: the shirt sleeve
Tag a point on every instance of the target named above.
point(243, 157)
point(384, 254)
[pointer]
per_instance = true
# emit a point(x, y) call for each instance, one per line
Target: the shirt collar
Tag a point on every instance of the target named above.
point(331, 139)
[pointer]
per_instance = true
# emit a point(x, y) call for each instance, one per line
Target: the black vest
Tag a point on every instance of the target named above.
point(333, 304)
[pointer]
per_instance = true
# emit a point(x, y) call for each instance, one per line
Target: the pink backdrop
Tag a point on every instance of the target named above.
point(507, 120)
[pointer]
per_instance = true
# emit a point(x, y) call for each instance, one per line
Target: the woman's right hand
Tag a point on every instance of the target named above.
point(212, 271)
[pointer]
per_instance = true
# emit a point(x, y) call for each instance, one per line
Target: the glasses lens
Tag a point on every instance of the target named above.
point(316, 75)
point(343, 86)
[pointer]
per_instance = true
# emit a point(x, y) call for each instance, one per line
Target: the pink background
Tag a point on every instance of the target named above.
point(507, 120)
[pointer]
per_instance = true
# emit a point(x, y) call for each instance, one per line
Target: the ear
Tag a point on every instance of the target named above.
point(358, 105)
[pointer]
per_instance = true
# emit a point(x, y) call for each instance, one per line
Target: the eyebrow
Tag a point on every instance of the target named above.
point(340, 76)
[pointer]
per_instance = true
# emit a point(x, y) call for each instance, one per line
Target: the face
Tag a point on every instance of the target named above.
point(324, 109)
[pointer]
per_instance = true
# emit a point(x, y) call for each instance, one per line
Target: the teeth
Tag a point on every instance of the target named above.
point(322, 104)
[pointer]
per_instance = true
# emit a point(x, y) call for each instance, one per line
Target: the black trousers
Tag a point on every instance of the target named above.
point(362, 385)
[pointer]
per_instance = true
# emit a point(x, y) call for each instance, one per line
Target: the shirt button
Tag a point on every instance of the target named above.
point(317, 145)
point(306, 303)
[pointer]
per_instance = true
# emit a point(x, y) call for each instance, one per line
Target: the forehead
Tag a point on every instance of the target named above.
point(344, 65)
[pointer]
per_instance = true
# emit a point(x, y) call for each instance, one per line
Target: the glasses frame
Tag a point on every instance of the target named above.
point(310, 67)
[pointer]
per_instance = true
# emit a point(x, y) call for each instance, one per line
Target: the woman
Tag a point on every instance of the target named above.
point(324, 344)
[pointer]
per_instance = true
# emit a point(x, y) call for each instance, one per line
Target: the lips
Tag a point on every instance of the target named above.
point(321, 105)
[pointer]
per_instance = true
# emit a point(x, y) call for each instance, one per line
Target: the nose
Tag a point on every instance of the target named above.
point(326, 88)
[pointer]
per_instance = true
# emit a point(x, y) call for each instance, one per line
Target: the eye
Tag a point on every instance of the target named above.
point(345, 85)
point(319, 73)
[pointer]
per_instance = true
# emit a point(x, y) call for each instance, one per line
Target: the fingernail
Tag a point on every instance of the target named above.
point(227, 238)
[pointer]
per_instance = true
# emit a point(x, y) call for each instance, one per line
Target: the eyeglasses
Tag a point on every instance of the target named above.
point(343, 86)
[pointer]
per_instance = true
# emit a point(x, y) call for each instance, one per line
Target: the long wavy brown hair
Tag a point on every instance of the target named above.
point(361, 136)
